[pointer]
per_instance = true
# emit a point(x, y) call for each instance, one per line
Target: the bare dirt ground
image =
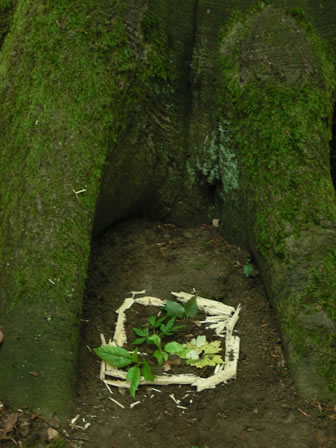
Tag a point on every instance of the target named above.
point(257, 410)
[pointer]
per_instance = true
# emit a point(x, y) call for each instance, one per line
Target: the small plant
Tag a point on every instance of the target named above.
point(157, 324)
point(159, 353)
point(198, 352)
point(175, 309)
point(150, 333)
point(248, 268)
point(166, 329)
point(120, 357)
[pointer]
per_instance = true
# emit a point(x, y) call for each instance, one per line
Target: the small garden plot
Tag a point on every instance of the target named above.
point(160, 342)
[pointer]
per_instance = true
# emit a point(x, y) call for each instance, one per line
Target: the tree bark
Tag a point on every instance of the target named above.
point(264, 147)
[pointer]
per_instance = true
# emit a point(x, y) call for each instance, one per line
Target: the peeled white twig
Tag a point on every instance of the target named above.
point(150, 301)
point(117, 403)
point(135, 293)
point(134, 404)
point(120, 337)
point(206, 305)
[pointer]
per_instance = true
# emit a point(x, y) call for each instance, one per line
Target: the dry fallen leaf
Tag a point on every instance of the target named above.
point(1, 336)
point(171, 363)
point(52, 434)
point(9, 423)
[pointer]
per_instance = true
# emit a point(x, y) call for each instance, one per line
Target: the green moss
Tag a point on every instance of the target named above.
point(310, 317)
point(5, 4)
point(278, 123)
point(73, 65)
point(273, 123)
point(71, 83)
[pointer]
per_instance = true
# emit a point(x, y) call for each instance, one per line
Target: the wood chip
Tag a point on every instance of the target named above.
point(117, 403)
point(134, 404)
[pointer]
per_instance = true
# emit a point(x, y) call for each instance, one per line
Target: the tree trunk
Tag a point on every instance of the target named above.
point(106, 108)
point(265, 149)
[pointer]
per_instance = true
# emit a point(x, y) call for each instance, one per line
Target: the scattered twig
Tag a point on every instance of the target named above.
point(117, 403)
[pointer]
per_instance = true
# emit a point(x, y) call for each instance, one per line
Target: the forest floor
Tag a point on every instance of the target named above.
point(258, 409)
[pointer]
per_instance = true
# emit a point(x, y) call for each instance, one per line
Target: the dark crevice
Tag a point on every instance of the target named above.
point(188, 57)
point(333, 149)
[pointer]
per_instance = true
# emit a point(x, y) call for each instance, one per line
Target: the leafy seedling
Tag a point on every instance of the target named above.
point(170, 328)
point(143, 333)
point(248, 269)
point(120, 357)
point(167, 329)
point(177, 310)
point(159, 353)
point(198, 352)
point(155, 321)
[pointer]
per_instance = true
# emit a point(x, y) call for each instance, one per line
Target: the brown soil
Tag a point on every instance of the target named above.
point(257, 410)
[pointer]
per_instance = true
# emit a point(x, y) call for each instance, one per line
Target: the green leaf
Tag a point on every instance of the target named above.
point(133, 376)
point(247, 269)
point(141, 332)
point(115, 356)
point(168, 327)
point(174, 348)
point(154, 339)
point(147, 372)
point(152, 320)
point(174, 309)
point(158, 355)
point(155, 322)
point(207, 360)
point(135, 356)
point(190, 307)
point(139, 341)
point(212, 347)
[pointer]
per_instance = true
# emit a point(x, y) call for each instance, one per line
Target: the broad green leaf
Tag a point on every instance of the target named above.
point(147, 372)
point(164, 356)
point(247, 269)
point(141, 331)
point(170, 323)
point(174, 309)
point(174, 348)
point(166, 328)
point(158, 355)
point(133, 376)
point(139, 341)
point(152, 320)
point(159, 321)
point(115, 356)
point(154, 339)
point(190, 307)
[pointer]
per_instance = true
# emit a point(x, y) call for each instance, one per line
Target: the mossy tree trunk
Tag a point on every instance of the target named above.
point(87, 91)
point(264, 148)
point(107, 108)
